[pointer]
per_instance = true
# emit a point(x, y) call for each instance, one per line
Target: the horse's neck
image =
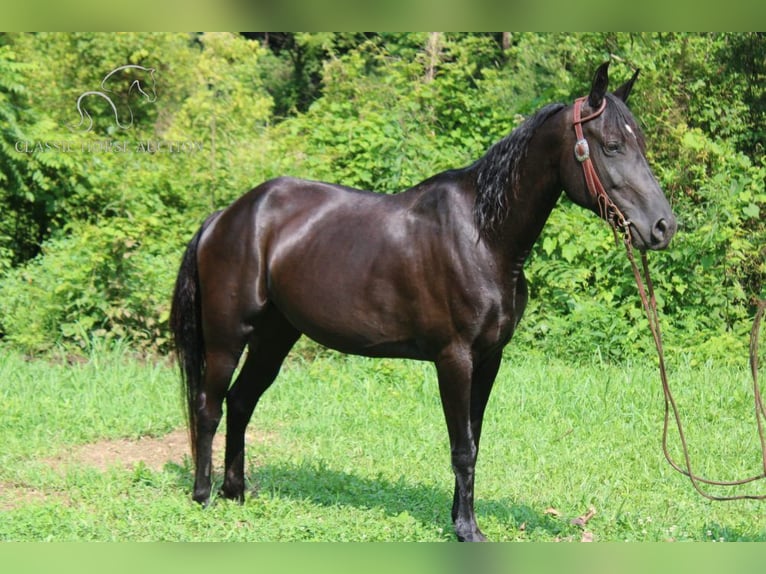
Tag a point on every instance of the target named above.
point(539, 189)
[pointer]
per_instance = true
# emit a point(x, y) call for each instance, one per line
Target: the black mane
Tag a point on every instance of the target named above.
point(497, 172)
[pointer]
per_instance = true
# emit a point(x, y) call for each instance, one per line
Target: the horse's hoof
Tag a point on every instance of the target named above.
point(471, 536)
point(202, 498)
point(236, 495)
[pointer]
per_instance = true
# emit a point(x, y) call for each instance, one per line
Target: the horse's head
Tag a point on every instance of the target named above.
point(146, 88)
point(141, 80)
point(614, 146)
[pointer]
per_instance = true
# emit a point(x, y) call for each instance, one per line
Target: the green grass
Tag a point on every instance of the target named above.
point(356, 449)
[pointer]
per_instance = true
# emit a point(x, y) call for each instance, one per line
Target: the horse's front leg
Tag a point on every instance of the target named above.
point(455, 370)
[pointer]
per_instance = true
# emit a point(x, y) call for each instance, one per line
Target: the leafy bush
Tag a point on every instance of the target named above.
point(108, 282)
point(90, 243)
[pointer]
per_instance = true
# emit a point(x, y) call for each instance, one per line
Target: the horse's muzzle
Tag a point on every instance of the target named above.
point(662, 232)
point(656, 238)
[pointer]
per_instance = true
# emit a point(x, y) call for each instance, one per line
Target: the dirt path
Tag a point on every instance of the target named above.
point(154, 452)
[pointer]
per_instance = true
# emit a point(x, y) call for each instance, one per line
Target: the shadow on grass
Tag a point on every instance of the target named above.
point(431, 505)
point(321, 485)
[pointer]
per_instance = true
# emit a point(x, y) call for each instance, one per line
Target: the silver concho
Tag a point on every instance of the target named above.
point(582, 151)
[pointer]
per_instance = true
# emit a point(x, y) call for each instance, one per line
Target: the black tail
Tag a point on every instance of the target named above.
point(186, 325)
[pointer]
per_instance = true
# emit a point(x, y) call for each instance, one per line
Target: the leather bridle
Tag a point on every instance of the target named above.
point(606, 207)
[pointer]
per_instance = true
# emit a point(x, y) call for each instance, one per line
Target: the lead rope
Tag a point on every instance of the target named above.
point(614, 216)
point(649, 304)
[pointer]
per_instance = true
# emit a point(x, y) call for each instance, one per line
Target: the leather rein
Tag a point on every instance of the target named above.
point(620, 224)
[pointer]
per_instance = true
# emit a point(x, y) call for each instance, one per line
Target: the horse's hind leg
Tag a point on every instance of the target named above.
point(220, 363)
point(269, 344)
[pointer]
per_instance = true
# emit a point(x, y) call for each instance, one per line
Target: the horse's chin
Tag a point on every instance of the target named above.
point(636, 239)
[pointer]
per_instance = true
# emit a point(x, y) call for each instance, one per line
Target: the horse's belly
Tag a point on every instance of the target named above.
point(354, 330)
point(354, 309)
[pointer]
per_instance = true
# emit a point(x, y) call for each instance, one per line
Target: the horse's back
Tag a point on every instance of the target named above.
point(298, 215)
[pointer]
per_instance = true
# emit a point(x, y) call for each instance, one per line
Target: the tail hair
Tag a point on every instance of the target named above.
point(186, 326)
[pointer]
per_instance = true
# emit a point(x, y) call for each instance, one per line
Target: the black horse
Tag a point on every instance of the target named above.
point(433, 273)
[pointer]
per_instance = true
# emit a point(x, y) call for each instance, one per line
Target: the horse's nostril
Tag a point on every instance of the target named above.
point(660, 229)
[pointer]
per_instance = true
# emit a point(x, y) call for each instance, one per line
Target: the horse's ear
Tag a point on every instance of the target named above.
point(599, 86)
point(624, 90)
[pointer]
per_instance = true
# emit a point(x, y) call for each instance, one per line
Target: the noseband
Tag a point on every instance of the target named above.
point(606, 207)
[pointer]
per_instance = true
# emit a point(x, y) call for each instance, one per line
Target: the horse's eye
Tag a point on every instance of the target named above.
point(612, 147)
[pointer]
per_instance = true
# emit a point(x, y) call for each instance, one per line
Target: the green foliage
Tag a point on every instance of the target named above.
point(99, 282)
point(32, 185)
point(89, 240)
point(361, 133)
